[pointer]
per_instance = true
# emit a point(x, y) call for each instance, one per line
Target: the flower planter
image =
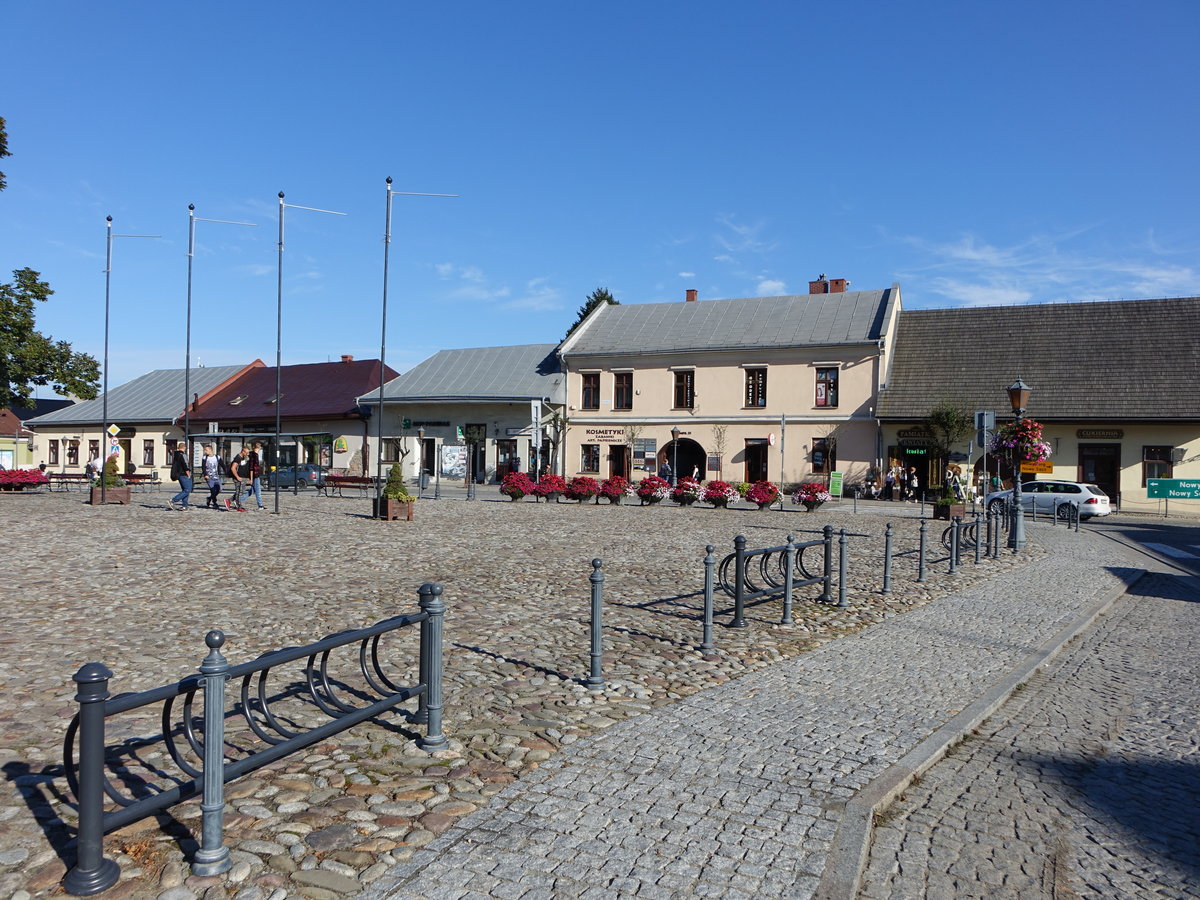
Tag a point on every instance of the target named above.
point(949, 511)
point(719, 504)
point(552, 497)
point(810, 505)
point(392, 509)
point(615, 501)
point(686, 501)
point(766, 505)
point(111, 495)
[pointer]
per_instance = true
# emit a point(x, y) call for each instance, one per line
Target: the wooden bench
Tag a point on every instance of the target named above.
point(62, 481)
point(152, 480)
point(364, 484)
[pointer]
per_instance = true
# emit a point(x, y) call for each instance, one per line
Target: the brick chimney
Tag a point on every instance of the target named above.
point(825, 285)
point(690, 297)
point(347, 358)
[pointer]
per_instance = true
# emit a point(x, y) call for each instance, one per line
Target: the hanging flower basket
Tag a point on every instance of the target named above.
point(1020, 442)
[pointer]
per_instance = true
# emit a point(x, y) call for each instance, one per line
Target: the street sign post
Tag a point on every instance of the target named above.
point(1172, 489)
point(1037, 467)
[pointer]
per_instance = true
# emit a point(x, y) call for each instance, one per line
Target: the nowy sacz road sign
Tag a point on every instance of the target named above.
point(1172, 489)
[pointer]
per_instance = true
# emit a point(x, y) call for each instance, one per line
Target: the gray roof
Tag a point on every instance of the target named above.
point(1121, 360)
point(521, 372)
point(154, 397)
point(754, 323)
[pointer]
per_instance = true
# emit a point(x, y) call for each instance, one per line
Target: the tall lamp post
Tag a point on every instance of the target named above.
point(675, 432)
point(1018, 397)
point(104, 402)
point(421, 462)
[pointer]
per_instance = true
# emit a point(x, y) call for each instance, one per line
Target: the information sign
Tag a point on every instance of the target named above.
point(1172, 489)
point(1038, 467)
point(835, 484)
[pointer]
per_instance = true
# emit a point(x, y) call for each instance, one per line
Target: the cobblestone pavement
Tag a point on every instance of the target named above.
point(1084, 785)
point(737, 793)
point(137, 588)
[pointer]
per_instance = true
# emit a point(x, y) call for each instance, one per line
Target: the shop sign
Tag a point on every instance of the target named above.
point(1100, 434)
point(913, 433)
point(604, 435)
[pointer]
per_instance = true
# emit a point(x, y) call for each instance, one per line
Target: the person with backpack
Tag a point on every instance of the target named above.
point(239, 469)
point(255, 485)
point(181, 472)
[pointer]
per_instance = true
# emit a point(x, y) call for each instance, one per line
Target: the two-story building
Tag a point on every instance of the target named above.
point(779, 388)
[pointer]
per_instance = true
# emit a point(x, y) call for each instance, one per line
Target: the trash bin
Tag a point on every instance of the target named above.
point(424, 479)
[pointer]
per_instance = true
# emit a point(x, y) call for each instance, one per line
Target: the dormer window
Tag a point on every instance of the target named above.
point(239, 400)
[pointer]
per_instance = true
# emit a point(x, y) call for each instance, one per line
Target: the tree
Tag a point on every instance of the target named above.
point(720, 438)
point(27, 357)
point(3, 150)
point(595, 298)
point(949, 425)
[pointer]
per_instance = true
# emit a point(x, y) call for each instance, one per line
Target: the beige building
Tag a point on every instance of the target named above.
point(776, 388)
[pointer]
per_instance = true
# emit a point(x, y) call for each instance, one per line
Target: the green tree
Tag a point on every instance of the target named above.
point(595, 298)
point(948, 424)
point(27, 357)
point(3, 150)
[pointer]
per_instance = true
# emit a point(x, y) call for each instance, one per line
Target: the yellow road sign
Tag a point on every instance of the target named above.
point(1040, 467)
point(114, 430)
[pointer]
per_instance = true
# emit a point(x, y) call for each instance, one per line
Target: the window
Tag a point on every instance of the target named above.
point(1156, 463)
point(756, 387)
point(392, 449)
point(685, 390)
point(824, 459)
point(591, 391)
point(623, 390)
point(827, 386)
point(53, 445)
point(73, 452)
point(148, 452)
point(93, 449)
point(589, 458)
point(172, 445)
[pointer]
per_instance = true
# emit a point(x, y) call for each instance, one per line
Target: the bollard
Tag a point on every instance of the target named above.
point(710, 569)
point(595, 681)
point(789, 560)
point(213, 856)
point(978, 539)
point(827, 587)
point(887, 560)
point(921, 555)
point(842, 555)
point(739, 588)
point(987, 518)
point(1077, 518)
point(954, 546)
point(92, 873)
point(431, 602)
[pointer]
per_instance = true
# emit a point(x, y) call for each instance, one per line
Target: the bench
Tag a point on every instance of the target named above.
point(62, 481)
point(364, 484)
point(143, 481)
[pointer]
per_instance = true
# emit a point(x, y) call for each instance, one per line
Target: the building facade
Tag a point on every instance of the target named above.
point(775, 388)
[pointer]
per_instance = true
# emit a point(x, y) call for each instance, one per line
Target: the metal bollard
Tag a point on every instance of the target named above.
point(92, 873)
point(710, 570)
point(978, 539)
point(213, 856)
point(431, 602)
point(987, 516)
point(595, 680)
point(827, 588)
point(739, 588)
point(954, 546)
point(842, 556)
point(1077, 518)
point(887, 560)
point(789, 560)
point(921, 555)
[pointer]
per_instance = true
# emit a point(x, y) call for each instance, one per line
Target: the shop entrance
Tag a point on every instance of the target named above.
point(1101, 464)
point(506, 456)
point(618, 460)
point(690, 460)
point(756, 459)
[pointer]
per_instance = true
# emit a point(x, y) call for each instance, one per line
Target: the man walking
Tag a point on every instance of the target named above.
point(239, 469)
point(181, 472)
point(255, 486)
point(212, 476)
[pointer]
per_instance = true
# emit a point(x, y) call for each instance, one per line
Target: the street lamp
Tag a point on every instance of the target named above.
point(421, 462)
point(675, 432)
point(1018, 397)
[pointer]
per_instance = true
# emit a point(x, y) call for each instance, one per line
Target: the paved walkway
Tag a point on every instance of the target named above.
point(740, 791)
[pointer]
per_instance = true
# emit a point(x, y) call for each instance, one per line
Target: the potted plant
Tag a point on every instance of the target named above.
point(115, 490)
point(741, 487)
point(719, 493)
point(946, 505)
point(812, 494)
point(764, 493)
point(550, 487)
point(614, 489)
point(20, 479)
point(686, 492)
point(582, 488)
point(516, 485)
point(397, 502)
point(653, 489)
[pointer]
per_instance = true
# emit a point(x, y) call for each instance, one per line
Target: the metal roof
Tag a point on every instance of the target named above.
point(1125, 359)
point(753, 323)
point(521, 372)
point(154, 397)
point(310, 390)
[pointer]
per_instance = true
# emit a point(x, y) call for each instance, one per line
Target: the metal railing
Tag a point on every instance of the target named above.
point(208, 769)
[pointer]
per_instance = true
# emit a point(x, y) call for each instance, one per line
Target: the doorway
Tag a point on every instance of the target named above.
point(618, 460)
point(427, 456)
point(506, 458)
point(756, 459)
point(1101, 464)
point(686, 458)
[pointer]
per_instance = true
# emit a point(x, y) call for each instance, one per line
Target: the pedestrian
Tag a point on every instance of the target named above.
point(239, 470)
point(665, 473)
point(93, 466)
point(181, 472)
point(255, 486)
point(212, 476)
point(889, 484)
point(913, 483)
point(695, 473)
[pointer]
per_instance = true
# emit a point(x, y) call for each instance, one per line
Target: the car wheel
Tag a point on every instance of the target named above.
point(996, 507)
point(1066, 511)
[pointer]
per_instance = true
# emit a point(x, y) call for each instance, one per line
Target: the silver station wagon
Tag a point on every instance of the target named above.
point(1052, 497)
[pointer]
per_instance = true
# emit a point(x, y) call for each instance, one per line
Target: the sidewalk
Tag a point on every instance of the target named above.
point(741, 791)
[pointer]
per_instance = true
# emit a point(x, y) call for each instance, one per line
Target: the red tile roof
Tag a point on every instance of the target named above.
point(311, 390)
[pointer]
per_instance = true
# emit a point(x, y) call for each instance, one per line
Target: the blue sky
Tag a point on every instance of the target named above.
point(977, 153)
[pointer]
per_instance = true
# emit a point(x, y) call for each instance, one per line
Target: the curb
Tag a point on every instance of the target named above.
point(847, 858)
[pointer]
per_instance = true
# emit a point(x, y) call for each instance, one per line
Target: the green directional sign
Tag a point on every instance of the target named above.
point(835, 484)
point(1172, 489)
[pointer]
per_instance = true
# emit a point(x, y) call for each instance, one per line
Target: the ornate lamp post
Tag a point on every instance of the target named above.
point(675, 432)
point(1018, 397)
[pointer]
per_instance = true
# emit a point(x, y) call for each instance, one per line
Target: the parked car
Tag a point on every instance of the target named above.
point(304, 476)
point(1047, 495)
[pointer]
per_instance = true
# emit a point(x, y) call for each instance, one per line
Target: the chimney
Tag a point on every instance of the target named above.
point(690, 296)
point(825, 285)
point(347, 358)
point(837, 285)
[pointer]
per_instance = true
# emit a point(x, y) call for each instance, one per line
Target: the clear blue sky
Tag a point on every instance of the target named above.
point(975, 152)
